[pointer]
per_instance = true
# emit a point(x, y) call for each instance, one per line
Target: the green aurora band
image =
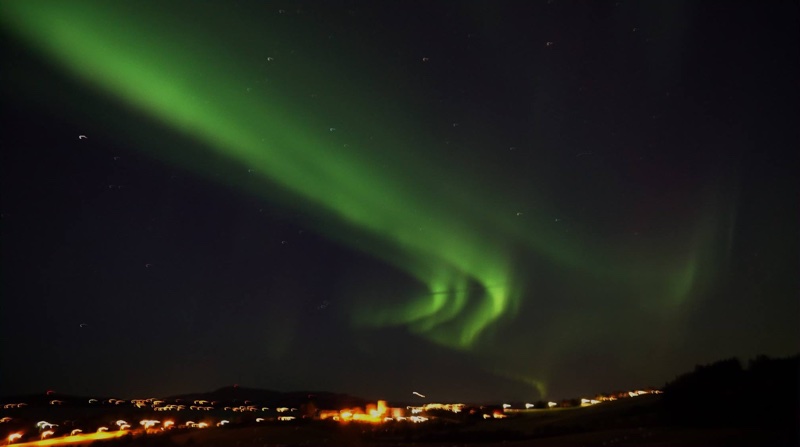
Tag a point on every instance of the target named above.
point(460, 244)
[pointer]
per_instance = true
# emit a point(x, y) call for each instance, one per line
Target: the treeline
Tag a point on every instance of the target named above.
point(724, 393)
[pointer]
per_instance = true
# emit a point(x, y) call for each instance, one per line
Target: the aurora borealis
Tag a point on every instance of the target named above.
point(515, 193)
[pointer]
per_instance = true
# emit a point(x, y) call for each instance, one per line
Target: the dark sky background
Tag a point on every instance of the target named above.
point(479, 201)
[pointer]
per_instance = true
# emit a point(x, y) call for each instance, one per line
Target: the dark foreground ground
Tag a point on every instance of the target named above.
point(632, 422)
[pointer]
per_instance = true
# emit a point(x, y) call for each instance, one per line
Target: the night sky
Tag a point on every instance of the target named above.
point(478, 201)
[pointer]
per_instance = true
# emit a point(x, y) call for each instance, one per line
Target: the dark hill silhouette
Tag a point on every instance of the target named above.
point(767, 393)
point(226, 396)
point(235, 396)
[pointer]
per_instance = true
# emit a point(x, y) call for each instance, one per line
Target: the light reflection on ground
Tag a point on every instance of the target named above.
point(76, 439)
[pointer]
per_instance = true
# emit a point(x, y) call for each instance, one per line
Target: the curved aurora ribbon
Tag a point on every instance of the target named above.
point(458, 244)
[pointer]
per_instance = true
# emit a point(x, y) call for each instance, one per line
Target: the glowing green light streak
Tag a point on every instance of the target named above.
point(161, 81)
point(455, 244)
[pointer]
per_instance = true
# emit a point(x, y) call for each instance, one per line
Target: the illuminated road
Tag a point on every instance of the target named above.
point(76, 439)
